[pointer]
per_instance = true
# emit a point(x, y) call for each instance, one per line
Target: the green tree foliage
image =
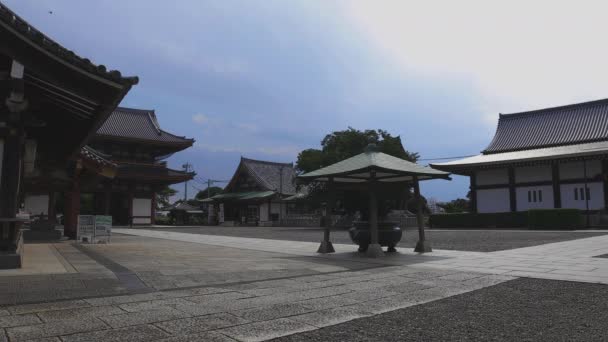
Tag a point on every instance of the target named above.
point(341, 145)
point(459, 205)
point(163, 197)
point(208, 192)
point(344, 144)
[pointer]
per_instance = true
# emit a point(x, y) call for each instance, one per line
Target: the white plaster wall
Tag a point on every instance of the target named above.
point(264, 212)
point(521, 194)
point(36, 204)
point(277, 208)
point(574, 170)
point(537, 173)
point(596, 196)
point(493, 200)
point(493, 176)
point(142, 207)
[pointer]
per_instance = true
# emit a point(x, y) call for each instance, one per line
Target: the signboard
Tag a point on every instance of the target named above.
point(103, 227)
point(94, 229)
point(86, 228)
point(221, 216)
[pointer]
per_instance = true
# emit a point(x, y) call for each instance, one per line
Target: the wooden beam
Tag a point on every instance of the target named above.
point(473, 193)
point(557, 192)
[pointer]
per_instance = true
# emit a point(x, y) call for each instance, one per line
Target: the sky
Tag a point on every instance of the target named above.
point(268, 78)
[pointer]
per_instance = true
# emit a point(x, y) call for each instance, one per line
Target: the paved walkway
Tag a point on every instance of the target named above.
point(217, 288)
point(574, 260)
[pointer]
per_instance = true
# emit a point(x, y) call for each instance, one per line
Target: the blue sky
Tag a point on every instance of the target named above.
point(268, 78)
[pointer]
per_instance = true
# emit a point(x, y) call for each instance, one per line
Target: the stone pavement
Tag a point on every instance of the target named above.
point(574, 260)
point(187, 287)
point(252, 311)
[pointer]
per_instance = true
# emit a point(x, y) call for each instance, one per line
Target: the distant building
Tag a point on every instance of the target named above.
point(127, 155)
point(548, 158)
point(255, 193)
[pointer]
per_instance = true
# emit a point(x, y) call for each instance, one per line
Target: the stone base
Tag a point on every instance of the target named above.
point(326, 247)
point(423, 247)
point(374, 251)
point(13, 260)
point(42, 235)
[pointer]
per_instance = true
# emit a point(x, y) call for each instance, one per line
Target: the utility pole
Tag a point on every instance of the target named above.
point(187, 168)
point(209, 181)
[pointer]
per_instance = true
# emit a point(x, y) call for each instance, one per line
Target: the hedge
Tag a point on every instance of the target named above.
point(555, 219)
point(486, 220)
point(532, 219)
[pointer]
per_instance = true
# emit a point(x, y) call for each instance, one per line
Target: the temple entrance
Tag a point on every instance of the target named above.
point(119, 209)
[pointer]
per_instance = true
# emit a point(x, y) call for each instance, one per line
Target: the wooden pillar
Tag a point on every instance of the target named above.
point(473, 192)
point(512, 194)
point(557, 193)
point(326, 245)
point(11, 173)
point(52, 216)
point(130, 204)
point(72, 205)
point(374, 249)
point(422, 246)
point(107, 198)
point(153, 209)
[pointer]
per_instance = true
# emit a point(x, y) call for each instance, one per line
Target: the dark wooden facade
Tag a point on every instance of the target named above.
point(47, 92)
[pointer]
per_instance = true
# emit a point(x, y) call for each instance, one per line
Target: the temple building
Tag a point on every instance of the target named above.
point(255, 193)
point(52, 102)
point(131, 145)
point(542, 159)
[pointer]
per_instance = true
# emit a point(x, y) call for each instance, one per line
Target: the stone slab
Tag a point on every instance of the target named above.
point(18, 320)
point(332, 316)
point(272, 312)
point(143, 317)
point(130, 334)
point(200, 324)
point(262, 331)
point(96, 311)
point(58, 328)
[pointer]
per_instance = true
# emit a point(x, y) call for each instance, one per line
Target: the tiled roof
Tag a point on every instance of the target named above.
point(138, 124)
point(587, 150)
point(95, 156)
point(152, 172)
point(386, 168)
point(13, 22)
point(270, 174)
point(557, 126)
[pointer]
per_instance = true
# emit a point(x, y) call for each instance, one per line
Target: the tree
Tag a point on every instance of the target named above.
point(208, 192)
point(341, 145)
point(163, 197)
point(344, 144)
point(459, 205)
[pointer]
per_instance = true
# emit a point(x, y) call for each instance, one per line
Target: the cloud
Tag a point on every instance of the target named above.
point(200, 119)
point(288, 151)
point(518, 54)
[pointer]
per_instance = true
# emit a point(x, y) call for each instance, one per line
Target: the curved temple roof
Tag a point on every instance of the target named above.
point(41, 41)
point(387, 168)
point(138, 124)
point(557, 126)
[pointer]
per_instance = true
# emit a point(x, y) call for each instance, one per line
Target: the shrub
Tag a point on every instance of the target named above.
point(532, 219)
point(485, 220)
point(555, 219)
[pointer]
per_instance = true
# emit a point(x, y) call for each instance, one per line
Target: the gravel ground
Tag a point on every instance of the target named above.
point(474, 240)
point(518, 310)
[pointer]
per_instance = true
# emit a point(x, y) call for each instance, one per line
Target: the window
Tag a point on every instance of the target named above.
point(535, 196)
point(581, 195)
